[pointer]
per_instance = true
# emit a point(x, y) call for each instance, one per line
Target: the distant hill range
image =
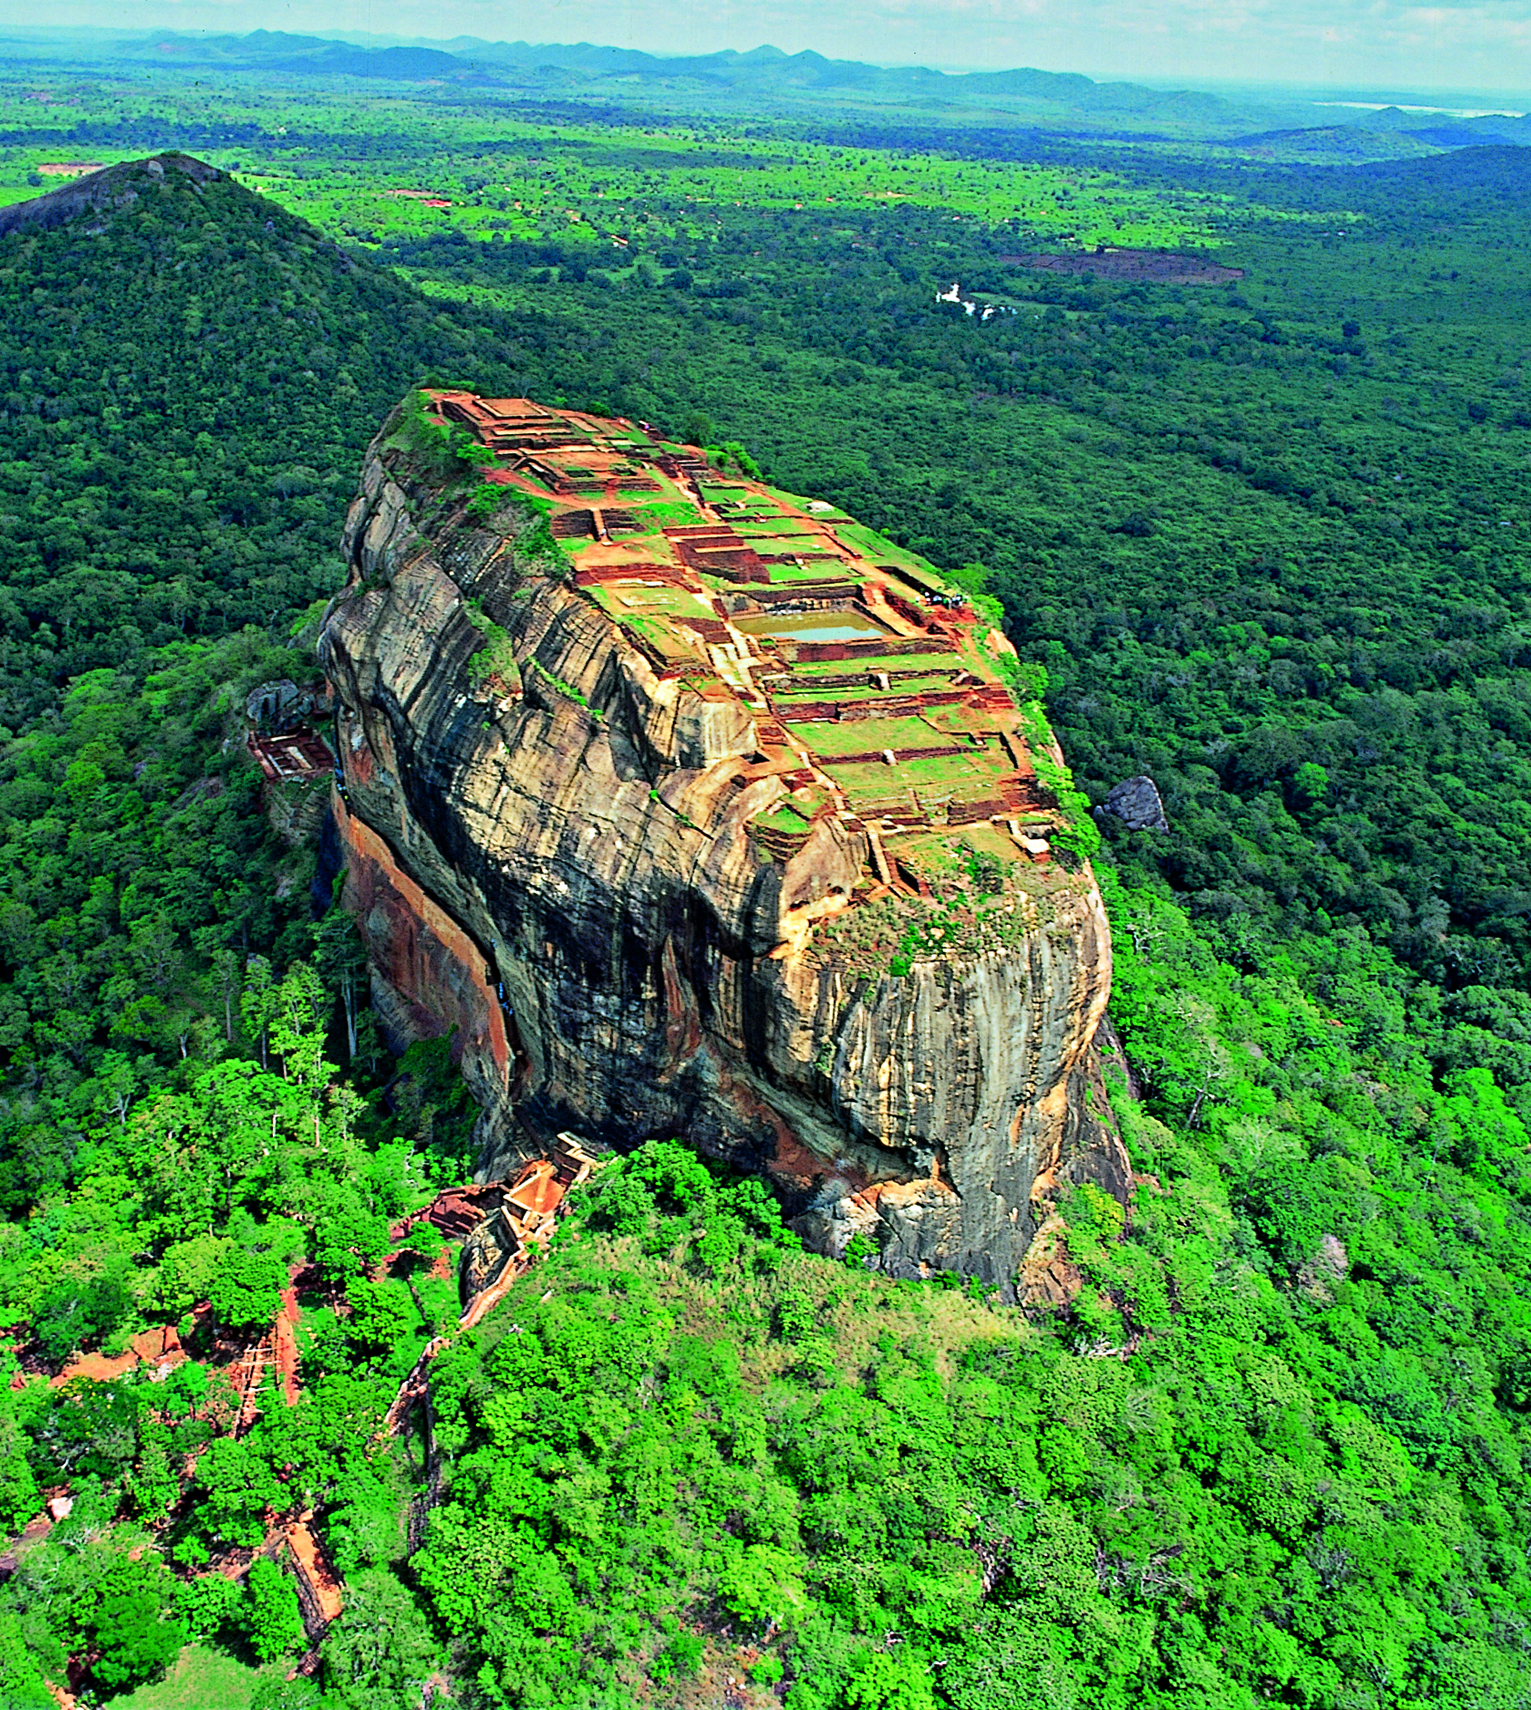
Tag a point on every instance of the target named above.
point(1389, 133)
point(1297, 130)
point(717, 81)
point(1445, 131)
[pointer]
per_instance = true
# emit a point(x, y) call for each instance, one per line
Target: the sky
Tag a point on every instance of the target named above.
point(1458, 45)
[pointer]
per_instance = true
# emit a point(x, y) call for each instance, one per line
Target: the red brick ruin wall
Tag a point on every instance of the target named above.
point(423, 954)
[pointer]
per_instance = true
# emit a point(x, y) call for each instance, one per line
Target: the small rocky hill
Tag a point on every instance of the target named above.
point(191, 374)
point(113, 189)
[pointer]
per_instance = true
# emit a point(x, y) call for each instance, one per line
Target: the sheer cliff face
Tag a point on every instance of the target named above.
point(581, 850)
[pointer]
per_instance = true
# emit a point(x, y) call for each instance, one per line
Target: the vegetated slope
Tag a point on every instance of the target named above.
point(187, 375)
point(1323, 144)
point(153, 345)
point(682, 1453)
point(1272, 1455)
point(191, 376)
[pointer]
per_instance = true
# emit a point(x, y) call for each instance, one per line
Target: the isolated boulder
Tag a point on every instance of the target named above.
point(271, 703)
point(1135, 802)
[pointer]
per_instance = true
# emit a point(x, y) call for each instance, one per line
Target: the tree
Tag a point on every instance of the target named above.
point(341, 959)
point(382, 1314)
point(276, 1693)
point(271, 1618)
point(1310, 786)
point(297, 1028)
point(380, 1652)
point(257, 1003)
point(128, 1619)
point(80, 1309)
point(892, 1680)
point(192, 1271)
point(83, 1428)
point(424, 1243)
point(245, 1291)
point(20, 1497)
point(762, 1583)
point(348, 1237)
point(235, 1486)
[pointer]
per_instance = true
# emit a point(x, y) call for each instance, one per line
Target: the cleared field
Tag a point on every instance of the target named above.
point(882, 551)
point(662, 602)
point(937, 665)
point(865, 735)
point(202, 1679)
point(971, 775)
point(668, 514)
point(785, 820)
point(813, 571)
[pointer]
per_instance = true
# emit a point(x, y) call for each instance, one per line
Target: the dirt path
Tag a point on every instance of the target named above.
point(314, 1567)
point(160, 1348)
point(284, 1339)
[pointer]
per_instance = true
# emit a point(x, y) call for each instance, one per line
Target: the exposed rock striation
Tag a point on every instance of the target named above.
point(562, 859)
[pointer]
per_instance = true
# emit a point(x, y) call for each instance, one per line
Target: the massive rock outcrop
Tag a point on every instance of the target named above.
point(635, 853)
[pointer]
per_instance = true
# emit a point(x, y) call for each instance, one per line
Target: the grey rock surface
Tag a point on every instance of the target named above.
point(112, 188)
point(1135, 802)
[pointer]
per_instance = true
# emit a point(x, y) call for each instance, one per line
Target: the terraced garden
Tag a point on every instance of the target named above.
point(877, 690)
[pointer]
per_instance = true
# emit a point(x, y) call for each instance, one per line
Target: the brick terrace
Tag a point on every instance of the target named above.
point(655, 535)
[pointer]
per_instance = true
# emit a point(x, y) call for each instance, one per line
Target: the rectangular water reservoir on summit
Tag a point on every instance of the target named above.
point(814, 626)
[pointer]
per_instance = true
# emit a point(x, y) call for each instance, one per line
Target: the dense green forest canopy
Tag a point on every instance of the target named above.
point(184, 395)
point(1268, 539)
point(187, 391)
